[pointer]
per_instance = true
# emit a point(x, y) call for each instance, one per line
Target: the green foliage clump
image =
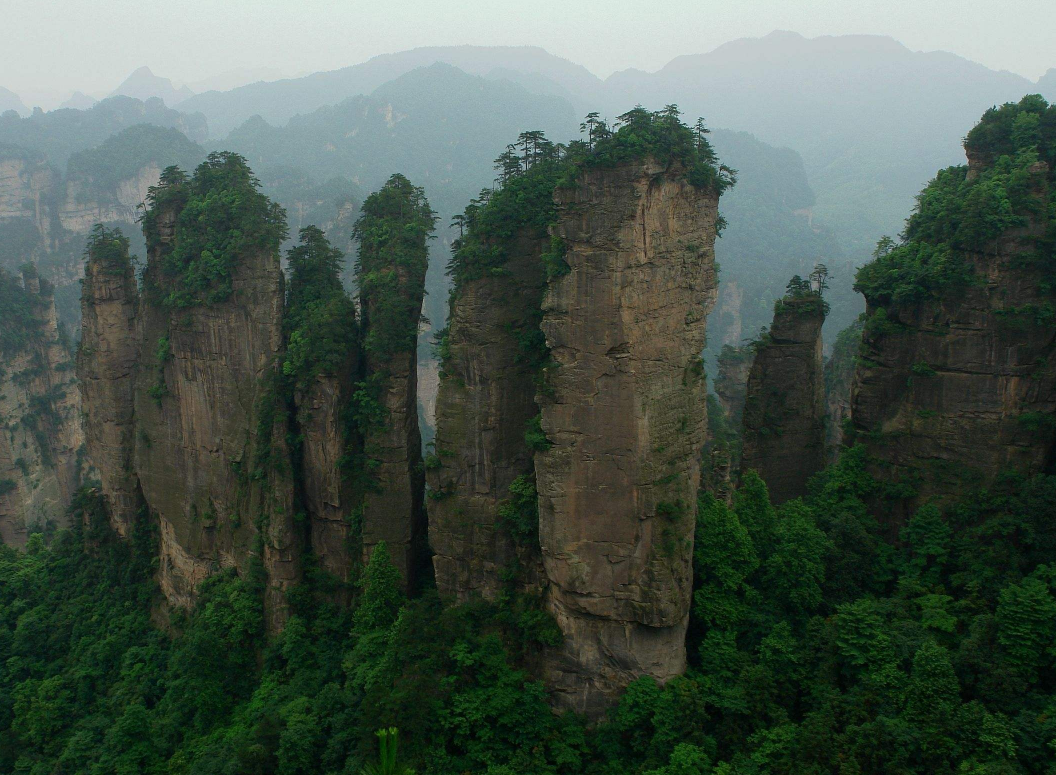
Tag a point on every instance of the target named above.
point(1013, 150)
point(220, 217)
point(520, 513)
point(107, 249)
point(320, 319)
point(533, 167)
point(393, 231)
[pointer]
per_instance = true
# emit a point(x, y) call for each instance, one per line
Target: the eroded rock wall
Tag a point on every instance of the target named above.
point(394, 511)
point(206, 444)
point(625, 417)
point(107, 361)
point(731, 382)
point(784, 409)
point(486, 399)
point(948, 392)
point(41, 440)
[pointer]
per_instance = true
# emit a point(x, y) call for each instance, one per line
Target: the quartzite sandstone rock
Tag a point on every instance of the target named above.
point(625, 414)
point(784, 409)
point(42, 438)
point(394, 511)
point(950, 391)
point(106, 370)
point(486, 398)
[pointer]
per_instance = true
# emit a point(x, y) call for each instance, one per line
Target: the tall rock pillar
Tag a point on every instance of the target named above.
point(624, 414)
point(784, 408)
point(106, 371)
point(393, 257)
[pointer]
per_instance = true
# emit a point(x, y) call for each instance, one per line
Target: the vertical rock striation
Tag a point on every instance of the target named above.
point(245, 422)
point(179, 387)
point(839, 375)
point(784, 409)
point(625, 418)
point(485, 402)
point(41, 437)
point(393, 257)
point(106, 366)
point(731, 382)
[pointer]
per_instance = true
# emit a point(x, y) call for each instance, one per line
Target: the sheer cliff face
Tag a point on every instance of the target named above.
point(839, 374)
point(784, 409)
point(106, 367)
point(199, 422)
point(180, 425)
point(486, 398)
point(394, 511)
point(625, 416)
point(950, 391)
point(40, 445)
point(325, 487)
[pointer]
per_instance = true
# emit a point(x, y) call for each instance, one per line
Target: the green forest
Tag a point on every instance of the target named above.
point(817, 644)
point(823, 637)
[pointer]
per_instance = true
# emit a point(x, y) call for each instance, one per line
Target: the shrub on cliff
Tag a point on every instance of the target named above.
point(221, 217)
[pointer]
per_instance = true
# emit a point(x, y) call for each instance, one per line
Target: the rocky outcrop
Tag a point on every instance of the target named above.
point(41, 440)
point(955, 383)
point(184, 423)
point(485, 402)
point(393, 257)
point(106, 369)
point(325, 486)
point(950, 391)
point(394, 510)
point(624, 415)
point(27, 189)
point(784, 409)
point(84, 205)
point(206, 444)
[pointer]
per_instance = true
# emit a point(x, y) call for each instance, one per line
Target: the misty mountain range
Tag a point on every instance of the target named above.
point(866, 121)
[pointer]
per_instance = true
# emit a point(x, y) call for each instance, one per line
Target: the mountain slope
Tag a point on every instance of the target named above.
point(10, 101)
point(278, 101)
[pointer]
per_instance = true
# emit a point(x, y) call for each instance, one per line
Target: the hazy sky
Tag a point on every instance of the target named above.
point(53, 46)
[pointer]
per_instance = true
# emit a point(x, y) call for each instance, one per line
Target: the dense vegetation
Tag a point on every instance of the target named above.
point(1011, 184)
point(220, 217)
point(816, 646)
point(393, 232)
point(530, 170)
point(320, 319)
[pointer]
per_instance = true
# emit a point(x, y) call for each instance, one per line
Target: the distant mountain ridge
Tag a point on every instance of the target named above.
point(278, 101)
point(143, 84)
point(11, 101)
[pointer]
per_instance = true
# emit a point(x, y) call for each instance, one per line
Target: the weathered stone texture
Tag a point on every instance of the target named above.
point(41, 437)
point(731, 382)
point(626, 417)
point(784, 410)
point(951, 391)
point(106, 367)
point(394, 512)
point(486, 398)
